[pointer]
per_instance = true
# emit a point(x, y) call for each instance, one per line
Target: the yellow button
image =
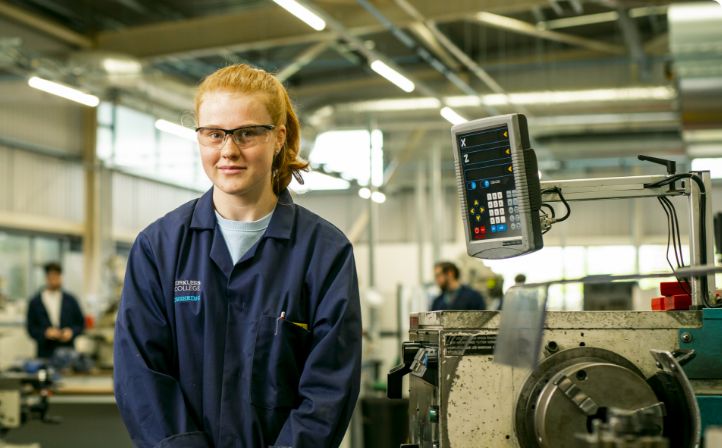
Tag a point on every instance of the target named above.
point(472, 211)
point(478, 218)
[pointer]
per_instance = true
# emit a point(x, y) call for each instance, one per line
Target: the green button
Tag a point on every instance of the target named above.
point(433, 415)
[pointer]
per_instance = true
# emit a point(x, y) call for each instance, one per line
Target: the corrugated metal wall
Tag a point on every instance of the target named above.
point(40, 185)
point(138, 202)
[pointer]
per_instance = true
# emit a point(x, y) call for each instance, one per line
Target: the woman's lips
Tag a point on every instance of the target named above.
point(231, 169)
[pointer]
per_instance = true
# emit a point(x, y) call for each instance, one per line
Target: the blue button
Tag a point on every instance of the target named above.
point(493, 228)
point(486, 184)
point(501, 227)
point(473, 185)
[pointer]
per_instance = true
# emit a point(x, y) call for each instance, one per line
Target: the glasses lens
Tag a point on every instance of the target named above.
point(211, 137)
point(250, 136)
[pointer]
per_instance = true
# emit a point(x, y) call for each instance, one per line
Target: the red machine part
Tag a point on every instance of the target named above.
point(677, 302)
point(675, 297)
point(670, 289)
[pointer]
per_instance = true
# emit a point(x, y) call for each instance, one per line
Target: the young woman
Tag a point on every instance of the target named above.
point(240, 323)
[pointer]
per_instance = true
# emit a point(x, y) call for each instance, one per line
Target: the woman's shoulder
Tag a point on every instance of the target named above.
point(309, 223)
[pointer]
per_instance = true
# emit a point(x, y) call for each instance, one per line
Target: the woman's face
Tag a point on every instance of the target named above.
point(239, 171)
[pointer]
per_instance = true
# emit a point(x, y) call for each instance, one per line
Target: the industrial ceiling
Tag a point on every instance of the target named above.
point(597, 78)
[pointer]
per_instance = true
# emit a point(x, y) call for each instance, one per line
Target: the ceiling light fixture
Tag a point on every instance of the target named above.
point(396, 78)
point(61, 90)
point(304, 14)
point(451, 116)
point(364, 193)
point(175, 129)
point(378, 197)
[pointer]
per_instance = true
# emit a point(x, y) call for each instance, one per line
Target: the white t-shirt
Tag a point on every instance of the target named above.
point(53, 301)
point(241, 235)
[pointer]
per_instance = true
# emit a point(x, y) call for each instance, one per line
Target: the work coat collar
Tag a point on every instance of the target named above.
point(281, 225)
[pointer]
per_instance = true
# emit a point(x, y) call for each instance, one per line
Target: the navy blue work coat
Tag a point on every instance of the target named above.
point(466, 299)
point(263, 353)
point(38, 321)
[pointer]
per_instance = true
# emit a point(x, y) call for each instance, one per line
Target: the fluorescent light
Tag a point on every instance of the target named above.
point(117, 66)
point(578, 96)
point(695, 12)
point(396, 78)
point(175, 129)
point(378, 197)
point(306, 15)
point(364, 193)
point(652, 93)
point(451, 116)
point(64, 91)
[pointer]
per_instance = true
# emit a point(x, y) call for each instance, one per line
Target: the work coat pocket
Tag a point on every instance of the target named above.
point(279, 355)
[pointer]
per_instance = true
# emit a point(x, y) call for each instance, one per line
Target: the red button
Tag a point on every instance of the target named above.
point(476, 230)
point(483, 229)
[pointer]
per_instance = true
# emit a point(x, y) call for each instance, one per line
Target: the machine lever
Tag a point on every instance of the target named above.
point(683, 356)
point(670, 164)
point(395, 376)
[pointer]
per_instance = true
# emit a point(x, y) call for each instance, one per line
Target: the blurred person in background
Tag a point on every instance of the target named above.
point(54, 316)
point(454, 295)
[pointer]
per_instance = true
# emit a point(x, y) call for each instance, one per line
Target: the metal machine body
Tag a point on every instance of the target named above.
point(592, 362)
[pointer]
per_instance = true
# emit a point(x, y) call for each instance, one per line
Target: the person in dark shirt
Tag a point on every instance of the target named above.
point(54, 317)
point(454, 295)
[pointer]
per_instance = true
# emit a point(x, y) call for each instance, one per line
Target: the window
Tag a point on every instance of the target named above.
point(354, 155)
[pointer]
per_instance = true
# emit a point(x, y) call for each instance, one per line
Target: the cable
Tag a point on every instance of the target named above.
point(675, 228)
point(669, 233)
point(558, 192)
point(551, 209)
point(702, 225)
point(673, 225)
point(672, 229)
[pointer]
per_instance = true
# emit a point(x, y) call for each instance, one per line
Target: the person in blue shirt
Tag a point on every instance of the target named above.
point(454, 295)
point(239, 323)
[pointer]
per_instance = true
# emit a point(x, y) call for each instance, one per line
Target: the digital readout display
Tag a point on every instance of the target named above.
point(489, 186)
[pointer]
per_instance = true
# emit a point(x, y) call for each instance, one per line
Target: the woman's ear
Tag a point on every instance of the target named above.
point(280, 138)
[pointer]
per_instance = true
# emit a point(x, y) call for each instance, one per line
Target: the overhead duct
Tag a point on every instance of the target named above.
point(696, 46)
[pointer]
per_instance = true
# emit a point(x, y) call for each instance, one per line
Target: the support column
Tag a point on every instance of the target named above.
point(97, 242)
point(437, 205)
point(421, 219)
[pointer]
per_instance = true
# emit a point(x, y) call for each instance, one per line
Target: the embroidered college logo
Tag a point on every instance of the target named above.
point(187, 291)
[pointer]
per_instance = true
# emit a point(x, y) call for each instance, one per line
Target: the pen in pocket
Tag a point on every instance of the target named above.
point(280, 318)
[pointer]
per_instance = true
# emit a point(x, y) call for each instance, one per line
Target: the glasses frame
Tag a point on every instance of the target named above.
point(229, 132)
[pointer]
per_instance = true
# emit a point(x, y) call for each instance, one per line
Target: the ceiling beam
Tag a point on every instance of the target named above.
point(44, 25)
point(269, 26)
point(521, 27)
point(632, 39)
point(302, 60)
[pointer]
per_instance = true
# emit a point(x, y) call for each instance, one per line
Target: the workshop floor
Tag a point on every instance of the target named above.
point(83, 426)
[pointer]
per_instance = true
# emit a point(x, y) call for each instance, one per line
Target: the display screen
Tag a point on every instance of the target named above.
point(489, 186)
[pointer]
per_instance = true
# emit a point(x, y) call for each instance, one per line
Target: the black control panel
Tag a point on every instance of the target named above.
point(489, 186)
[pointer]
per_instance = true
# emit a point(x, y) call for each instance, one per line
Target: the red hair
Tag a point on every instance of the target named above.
point(244, 78)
